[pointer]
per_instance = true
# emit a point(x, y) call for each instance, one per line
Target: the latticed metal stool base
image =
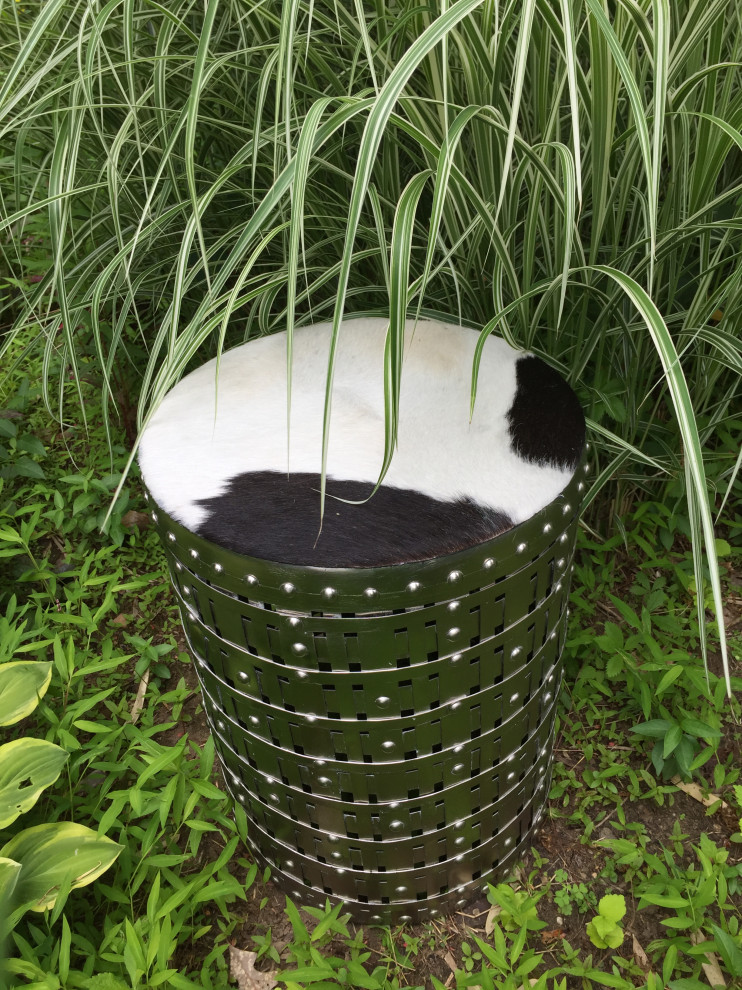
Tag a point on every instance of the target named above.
point(389, 731)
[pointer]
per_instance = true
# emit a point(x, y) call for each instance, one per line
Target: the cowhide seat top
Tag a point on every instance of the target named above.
point(215, 454)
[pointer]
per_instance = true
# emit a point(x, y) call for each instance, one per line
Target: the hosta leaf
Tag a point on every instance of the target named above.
point(50, 854)
point(27, 766)
point(22, 684)
point(9, 872)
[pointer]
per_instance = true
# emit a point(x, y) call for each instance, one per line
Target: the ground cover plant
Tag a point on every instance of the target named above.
point(183, 901)
point(176, 178)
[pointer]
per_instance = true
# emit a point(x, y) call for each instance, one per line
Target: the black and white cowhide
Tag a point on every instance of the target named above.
point(215, 457)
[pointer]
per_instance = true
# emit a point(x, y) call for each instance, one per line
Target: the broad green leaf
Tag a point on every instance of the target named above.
point(51, 854)
point(613, 907)
point(27, 766)
point(668, 678)
point(657, 728)
point(9, 873)
point(695, 727)
point(22, 684)
point(672, 740)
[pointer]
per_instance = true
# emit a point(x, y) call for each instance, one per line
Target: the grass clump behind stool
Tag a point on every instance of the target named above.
point(388, 729)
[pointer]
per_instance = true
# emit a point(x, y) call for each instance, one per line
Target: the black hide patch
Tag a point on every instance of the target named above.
point(269, 515)
point(547, 425)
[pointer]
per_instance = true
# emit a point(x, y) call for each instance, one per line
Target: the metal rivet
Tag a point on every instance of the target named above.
point(255, 720)
point(458, 749)
point(146, 497)
point(242, 798)
point(511, 775)
point(547, 696)
point(299, 649)
point(461, 903)
point(301, 674)
point(566, 508)
point(553, 635)
point(460, 841)
point(514, 697)
point(287, 587)
point(333, 838)
point(561, 562)
point(320, 763)
point(405, 917)
point(516, 650)
point(251, 579)
point(547, 527)
point(558, 586)
point(288, 862)
point(563, 538)
point(453, 632)
point(458, 768)
point(154, 516)
point(455, 576)
point(383, 701)
point(171, 537)
point(186, 590)
point(581, 486)
point(329, 592)
point(324, 780)
point(194, 553)
point(295, 622)
point(521, 547)
point(586, 469)
point(401, 890)
point(453, 606)
point(221, 725)
point(370, 592)
point(243, 675)
point(178, 566)
point(456, 657)
point(413, 586)
point(341, 869)
point(488, 563)
point(387, 745)
point(396, 825)
point(310, 717)
point(218, 568)
point(508, 842)
point(274, 798)
point(336, 855)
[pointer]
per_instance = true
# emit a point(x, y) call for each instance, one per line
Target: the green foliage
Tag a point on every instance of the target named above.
point(182, 177)
point(517, 908)
point(572, 895)
point(604, 930)
point(676, 747)
point(43, 862)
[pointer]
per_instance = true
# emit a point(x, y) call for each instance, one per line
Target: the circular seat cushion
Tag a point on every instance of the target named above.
point(217, 455)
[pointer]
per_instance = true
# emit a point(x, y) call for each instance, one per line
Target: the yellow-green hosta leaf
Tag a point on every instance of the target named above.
point(9, 872)
point(27, 766)
point(22, 684)
point(53, 854)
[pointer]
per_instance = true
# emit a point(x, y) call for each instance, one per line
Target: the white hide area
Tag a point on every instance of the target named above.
point(204, 433)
